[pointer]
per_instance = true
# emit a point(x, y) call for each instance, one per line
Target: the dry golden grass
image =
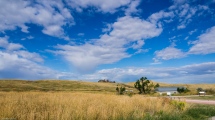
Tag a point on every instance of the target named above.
point(55, 85)
point(78, 106)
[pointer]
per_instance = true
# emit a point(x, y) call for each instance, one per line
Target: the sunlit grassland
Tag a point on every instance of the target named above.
point(55, 85)
point(79, 106)
point(78, 100)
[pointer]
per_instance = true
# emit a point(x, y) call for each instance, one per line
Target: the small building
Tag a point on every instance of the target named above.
point(202, 93)
point(167, 90)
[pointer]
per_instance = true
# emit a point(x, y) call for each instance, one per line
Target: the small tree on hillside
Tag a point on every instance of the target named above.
point(144, 85)
point(120, 90)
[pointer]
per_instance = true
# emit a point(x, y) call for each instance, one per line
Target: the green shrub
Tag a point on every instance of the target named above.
point(179, 105)
point(120, 90)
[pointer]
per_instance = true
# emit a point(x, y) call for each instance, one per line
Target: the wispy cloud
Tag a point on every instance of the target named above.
point(100, 5)
point(205, 44)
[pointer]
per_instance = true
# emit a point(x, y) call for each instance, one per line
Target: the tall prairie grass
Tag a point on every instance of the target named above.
point(79, 106)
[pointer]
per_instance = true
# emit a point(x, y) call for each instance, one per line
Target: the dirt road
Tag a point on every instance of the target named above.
point(209, 102)
point(186, 98)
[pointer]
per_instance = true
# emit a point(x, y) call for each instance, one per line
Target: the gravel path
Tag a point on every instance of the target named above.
point(213, 118)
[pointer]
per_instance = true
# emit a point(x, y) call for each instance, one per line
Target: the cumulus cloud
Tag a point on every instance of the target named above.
point(18, 63)
point(87, 57)
point(169, 53)
point(12, 66)
point(127, 32)
point(51, 15)
point(100, 5)
point(9, 46)
point(18, 49)
point(205, 44)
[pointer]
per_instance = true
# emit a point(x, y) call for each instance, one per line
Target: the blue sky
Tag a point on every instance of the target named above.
point(167, 41)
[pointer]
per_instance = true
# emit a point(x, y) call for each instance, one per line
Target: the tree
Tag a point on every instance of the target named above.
point(120, 90)
point(182, 90)
point(157, 85)
point(199, 89)
point(144, 85)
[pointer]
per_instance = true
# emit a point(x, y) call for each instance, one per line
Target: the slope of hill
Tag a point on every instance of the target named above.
point(55, 85)
point(70, 85)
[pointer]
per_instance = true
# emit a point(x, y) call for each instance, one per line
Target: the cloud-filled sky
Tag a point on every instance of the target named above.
point(122, 40)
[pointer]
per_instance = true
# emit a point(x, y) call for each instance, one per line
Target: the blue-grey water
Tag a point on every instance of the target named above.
point(163, 89)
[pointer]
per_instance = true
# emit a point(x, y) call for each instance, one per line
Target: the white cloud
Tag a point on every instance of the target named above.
point(181, 26)
point(169, 53)
point(18, 13)
point(194, 73)
point(21, 64)
point(133, 28)
point(9, 46)
point(205, 44)
point(132, 7)
point(87, 57)
point(193, 31)
point(100, 5)
point(29, 55)
point(14, 48)
point(185, 12)
point(181, 10)
point(156, 17)
point(12, 66)
point(127, 32)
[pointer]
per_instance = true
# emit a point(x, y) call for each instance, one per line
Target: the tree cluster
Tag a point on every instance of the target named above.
point(182, 90)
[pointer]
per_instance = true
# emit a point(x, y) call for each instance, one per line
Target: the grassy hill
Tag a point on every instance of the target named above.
point(55, 85)
point(70, 85)
point(58, 85)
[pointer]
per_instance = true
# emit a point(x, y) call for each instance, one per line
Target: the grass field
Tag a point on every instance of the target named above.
point(78, 100)
point(79, 106)
point(95, 106)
